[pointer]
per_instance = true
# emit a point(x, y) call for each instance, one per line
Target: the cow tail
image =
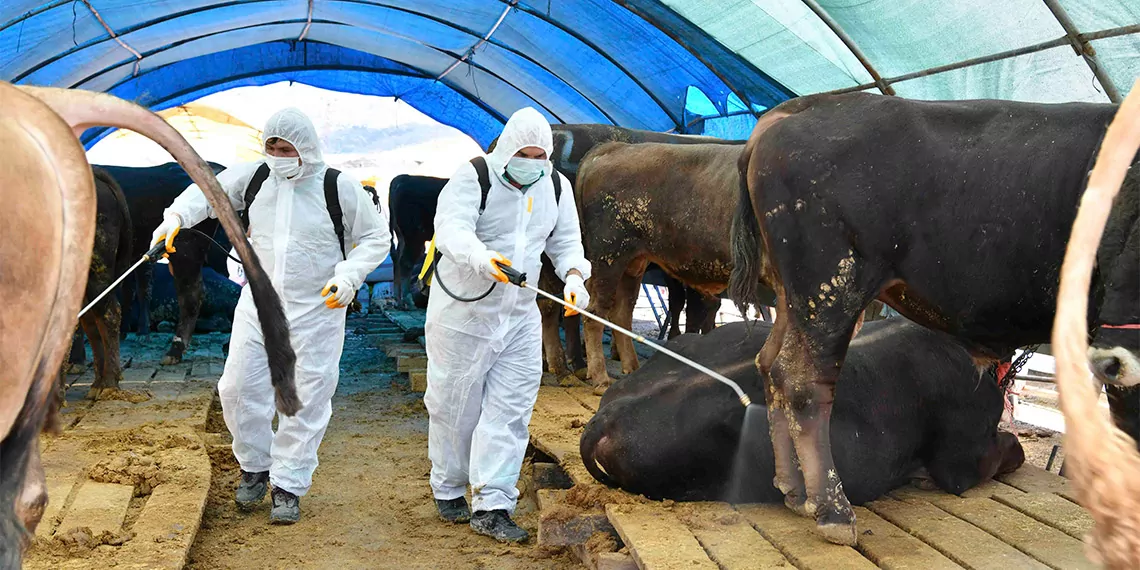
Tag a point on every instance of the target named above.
point(84, 109)
point(587, 446)
point(15, 451)
point(744, 283)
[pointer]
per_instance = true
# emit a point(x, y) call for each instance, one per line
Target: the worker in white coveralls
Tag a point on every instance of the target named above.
point(292, 232)
point(485, 357)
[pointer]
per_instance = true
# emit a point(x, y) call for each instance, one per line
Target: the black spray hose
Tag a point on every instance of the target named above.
point(216, 244)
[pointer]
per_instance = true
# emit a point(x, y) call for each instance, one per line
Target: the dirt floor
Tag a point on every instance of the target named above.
point(370, 505)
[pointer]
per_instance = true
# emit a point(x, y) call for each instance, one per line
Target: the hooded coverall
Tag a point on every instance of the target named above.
point(485, 357)
point(292, 234)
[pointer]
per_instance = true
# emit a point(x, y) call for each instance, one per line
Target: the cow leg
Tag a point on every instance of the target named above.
point(678, 295)
point(789, 480)
point(575, 351)
point(628, 289)
point(142, 297)
point(188, 285)
point(109, 323)
point(710, 306)
point(602, 290)
point(98, 358)
point(33, 497)
point(551, 343)
point(76, 357)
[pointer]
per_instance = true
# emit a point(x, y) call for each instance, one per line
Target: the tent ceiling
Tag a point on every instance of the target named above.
point(636, 63)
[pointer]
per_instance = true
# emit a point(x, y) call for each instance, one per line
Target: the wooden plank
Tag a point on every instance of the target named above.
point(556, 402)
point(614, 561)
point(990, 489)
point(58, 489)
point(418, 379)
point(1053, 510)
point(1032, 479)
point(586, 397)
point(1045, 543)
point(141, 374)
point(728, 537)
point(98, 506)
point(172, 516)
point(795, 537)
point(893, 548)
point(576, 530)
point(656, 539)
point(409, 363)
point(173, 373)
point(959, 540)
point(546, 498)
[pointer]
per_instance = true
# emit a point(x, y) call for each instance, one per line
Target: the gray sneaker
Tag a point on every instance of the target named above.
point(251, 489)
point(453, 510)
point(286, 507)
point(499, 526)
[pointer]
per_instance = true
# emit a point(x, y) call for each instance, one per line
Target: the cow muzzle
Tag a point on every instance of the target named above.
point(1116, 366)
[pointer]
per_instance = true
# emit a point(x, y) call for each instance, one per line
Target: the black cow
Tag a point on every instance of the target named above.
point(954, 213)
point(411, 219)
point(149, 191)
point(110, 258)
point(910, 400)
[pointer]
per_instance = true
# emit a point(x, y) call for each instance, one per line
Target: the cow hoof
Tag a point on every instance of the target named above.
point(93, 393)
point(600, 389)
point(568, 380)
point(798, 505)
point(169, 360)
point(76, 368)
point(838, 533)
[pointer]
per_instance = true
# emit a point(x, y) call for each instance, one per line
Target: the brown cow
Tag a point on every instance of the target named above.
point(571, 145)
point(662, 203)
point(45, 250)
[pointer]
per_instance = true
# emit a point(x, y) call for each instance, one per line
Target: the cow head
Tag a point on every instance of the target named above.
point(1115, 350)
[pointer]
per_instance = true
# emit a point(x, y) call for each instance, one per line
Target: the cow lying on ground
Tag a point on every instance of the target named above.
point(663, 203)
point(956, 214)
point(149, 191)
point(411, 210)
point(110, 258)
point(45, 250)
point(910, 399)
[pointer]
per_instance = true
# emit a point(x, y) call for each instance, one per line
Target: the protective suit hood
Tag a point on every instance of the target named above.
point(527, 127)
point(292, 125)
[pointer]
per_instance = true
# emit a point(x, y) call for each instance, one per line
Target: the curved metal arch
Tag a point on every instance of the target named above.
point(102, 40)
point(98, 133)
point(184, 41)
point(188, 40)
point(822, 14)
point(635, 7)
point(475, 35)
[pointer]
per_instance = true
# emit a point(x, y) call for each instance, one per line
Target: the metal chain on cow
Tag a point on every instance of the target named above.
point(1006, 381)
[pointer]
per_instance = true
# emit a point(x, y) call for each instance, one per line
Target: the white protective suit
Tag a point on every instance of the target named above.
point(485, 357)
point(293, 236)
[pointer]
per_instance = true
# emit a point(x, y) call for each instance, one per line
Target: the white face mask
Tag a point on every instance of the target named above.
point(526, 171)
point(284, 166)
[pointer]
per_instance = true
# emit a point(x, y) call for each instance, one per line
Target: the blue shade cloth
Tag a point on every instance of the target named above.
point(664, 65)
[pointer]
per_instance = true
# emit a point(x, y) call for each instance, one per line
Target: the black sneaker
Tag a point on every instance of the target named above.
point(499, 526)
point(251, 489)
point(453, 510)
point(286, 507)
